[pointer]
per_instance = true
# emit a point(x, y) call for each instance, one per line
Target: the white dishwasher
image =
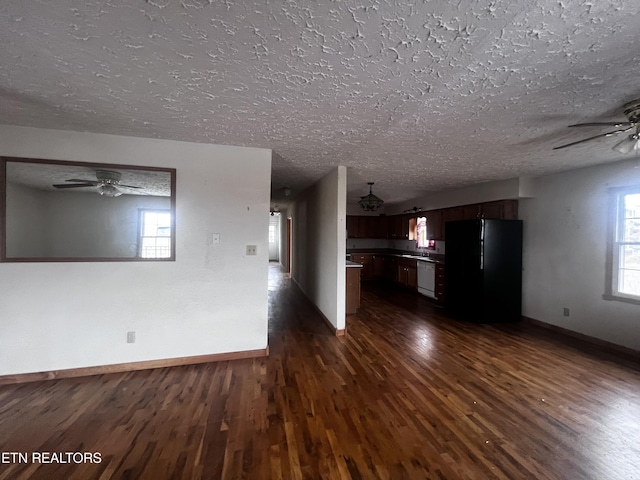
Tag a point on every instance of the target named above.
point(427, 278)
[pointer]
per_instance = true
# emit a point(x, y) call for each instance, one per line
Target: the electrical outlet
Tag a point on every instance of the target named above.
point(215, 239)
point(131, 337)
point(565, 312)
point(252, 249)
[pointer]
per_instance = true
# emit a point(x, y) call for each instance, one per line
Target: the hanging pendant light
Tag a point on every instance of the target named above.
point(370, 203)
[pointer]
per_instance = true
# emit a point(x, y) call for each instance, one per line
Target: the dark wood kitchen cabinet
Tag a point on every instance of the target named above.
point(391, 268)
point(440, 283)
point(353, 290)
point(377, 266)
point(364, 259)
point(435, 229)
point(366, 226)
point(408, 273)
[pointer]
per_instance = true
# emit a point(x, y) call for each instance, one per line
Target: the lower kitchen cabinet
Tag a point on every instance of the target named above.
point(440, 283)
point(377, 266)
point(391, 268)
point(353, 290)
point(364, 259)
point(408, 273)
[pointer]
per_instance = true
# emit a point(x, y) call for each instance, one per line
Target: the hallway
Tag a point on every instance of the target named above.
point(407, 393)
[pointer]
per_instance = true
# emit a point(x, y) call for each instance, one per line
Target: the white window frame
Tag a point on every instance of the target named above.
point(141, 236)
point(616, 228)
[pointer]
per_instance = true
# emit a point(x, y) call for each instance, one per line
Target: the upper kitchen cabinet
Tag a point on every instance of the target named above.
point(434, 224)
point(366, 226)
point(500, 210)
point(352, 226)
point(381, 228)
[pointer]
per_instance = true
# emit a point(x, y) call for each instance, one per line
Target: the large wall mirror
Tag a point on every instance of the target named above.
point(57, 211)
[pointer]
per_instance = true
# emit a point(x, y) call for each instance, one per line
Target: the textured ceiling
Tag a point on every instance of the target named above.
point(413, 97)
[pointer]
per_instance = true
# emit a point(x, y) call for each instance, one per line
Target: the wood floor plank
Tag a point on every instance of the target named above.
point(407, 393)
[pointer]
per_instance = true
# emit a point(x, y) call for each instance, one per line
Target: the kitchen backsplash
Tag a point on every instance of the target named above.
point(361, 243)
point(404, 245)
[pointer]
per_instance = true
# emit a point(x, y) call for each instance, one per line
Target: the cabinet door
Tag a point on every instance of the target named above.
point(380, 229)
point(353, 290)
point(471, 212)
point(434, 224)
point(412, 277)
point(510, 209)
point(377, 266)
point(366, 273)
point(450, 215)
point(402, 275)
point(391, 268)
point(440, 283)
point(404, 225)
point(492, 210)
point(352, 226)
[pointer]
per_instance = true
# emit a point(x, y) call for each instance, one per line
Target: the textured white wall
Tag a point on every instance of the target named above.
point(565, 238)
point(481, 192)
point(319, 246)
point(212, 299)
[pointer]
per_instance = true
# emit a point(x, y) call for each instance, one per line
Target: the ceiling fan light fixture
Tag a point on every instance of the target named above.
point(109, 190)
point(370, 203)
point(631, 143)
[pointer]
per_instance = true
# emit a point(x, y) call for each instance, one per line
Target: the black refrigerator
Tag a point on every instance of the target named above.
point(483, 269)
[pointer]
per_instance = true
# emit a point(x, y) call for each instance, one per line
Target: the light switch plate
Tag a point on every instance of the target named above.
point(252, 249)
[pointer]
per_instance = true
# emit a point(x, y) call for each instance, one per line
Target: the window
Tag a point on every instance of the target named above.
point(155, 233)
point(272, 234)
point(421, 232)
point(626, 246)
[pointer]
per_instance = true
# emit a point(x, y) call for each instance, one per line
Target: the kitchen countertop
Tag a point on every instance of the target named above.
point(432, 258)
point(351, 264)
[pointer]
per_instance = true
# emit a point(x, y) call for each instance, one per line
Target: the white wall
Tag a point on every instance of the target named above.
point(565, 239)
point(481, 192)
point(212, 299)
point(319, 244)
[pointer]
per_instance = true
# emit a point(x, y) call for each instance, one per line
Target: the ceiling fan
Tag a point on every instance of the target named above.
point(630, 142)
point(107, 182)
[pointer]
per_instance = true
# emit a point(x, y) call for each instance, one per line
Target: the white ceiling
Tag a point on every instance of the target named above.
point(416, 98)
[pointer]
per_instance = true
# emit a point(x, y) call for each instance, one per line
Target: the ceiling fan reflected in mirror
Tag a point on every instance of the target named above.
point(107, 182)
point(630, 143)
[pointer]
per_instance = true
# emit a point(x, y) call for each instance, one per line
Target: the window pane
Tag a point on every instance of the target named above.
point(630, 256)
point(631, 231)
point(629, 270)
point(156, 234)
point(632, 205)
point(629, 282)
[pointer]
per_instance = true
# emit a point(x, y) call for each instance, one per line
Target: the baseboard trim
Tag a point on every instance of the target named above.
point(620, 350)
point(131, 366)
point(338, 332)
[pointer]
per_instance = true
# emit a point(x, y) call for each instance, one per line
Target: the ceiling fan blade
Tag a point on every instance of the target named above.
point(73, 185)
point(82, 180)
point(603, 124)
point(127, 186)
point(607, 134)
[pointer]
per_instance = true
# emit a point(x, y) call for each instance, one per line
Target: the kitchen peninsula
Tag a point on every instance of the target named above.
point(353, 287)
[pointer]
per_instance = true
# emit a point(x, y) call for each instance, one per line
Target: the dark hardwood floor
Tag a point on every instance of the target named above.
point(407, 393)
